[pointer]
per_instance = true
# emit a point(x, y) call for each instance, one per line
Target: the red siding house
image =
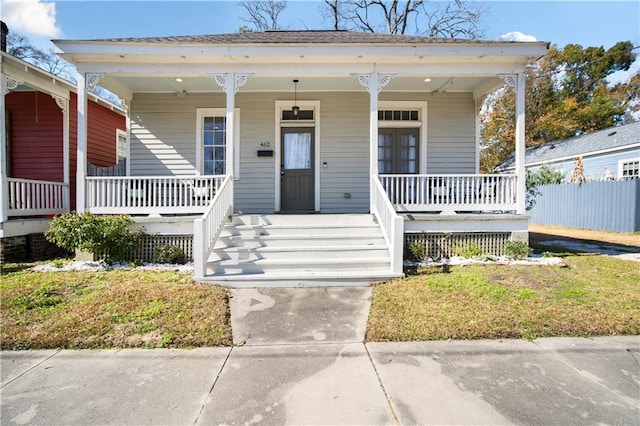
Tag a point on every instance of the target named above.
point(39, 149)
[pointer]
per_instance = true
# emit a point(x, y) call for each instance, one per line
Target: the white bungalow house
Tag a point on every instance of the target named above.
point(377, 134)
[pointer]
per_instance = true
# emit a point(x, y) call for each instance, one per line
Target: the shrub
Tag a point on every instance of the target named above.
point(168, 253)
point(467, 250)
point(516, 249)
point(106, 236)
point(416, 251)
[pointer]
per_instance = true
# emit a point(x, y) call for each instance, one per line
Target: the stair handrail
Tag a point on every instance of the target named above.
point(391, 223)
point(207, 228)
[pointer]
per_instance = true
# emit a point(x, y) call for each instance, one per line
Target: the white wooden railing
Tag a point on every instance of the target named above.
point(207, 228)
point(451, 193)
point(150, 194)
point(27, 197)
point(391, 223)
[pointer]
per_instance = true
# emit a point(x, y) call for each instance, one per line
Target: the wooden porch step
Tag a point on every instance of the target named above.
point(295, 249)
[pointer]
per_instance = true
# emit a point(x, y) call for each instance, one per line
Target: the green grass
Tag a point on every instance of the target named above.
point(110, 309)
point(595, 295)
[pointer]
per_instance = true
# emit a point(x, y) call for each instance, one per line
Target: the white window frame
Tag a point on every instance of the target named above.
point(121, 133)
point(621, 164)
point(421, 106)
point(315, 123)
point(201, 113)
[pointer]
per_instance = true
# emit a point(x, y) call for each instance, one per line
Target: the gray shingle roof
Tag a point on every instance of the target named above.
point(292, 37)
point(613, 137)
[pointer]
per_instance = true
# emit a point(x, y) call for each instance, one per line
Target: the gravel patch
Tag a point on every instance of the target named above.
point(78, 265)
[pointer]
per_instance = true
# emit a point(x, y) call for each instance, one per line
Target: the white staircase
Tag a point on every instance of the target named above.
point(300, 250)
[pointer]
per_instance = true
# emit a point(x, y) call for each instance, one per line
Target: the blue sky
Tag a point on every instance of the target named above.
point(589, 23)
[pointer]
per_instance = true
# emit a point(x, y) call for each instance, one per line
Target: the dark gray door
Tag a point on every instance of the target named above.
point(398, 151)
point(297, 170)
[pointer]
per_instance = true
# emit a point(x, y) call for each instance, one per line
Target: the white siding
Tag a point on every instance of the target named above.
point(163, 141)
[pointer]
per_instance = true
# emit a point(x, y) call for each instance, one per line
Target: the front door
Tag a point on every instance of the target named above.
point(297, 170)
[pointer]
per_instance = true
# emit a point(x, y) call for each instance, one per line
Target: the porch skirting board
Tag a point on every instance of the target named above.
point(441, 245)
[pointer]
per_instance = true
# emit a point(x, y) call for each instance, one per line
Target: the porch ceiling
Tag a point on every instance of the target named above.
point(346, 83)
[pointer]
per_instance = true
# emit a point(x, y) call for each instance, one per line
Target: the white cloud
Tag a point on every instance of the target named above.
point(30, 17)
point(515, 36)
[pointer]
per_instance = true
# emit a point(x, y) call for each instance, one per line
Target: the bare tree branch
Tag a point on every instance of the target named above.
point(263, 15)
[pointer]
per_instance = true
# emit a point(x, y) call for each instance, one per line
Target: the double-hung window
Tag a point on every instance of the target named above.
point(212, 150)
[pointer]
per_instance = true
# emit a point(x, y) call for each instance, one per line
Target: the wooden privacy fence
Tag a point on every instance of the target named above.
point(603, 206)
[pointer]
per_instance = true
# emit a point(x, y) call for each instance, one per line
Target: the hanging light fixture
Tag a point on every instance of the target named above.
point(295, 108)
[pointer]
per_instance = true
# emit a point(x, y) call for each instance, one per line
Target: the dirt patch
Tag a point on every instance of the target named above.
point(541, 233)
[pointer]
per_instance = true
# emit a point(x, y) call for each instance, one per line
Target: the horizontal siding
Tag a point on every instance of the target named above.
point(35, 140)
point(594, 165)
point(163, 141)
point(451, 143)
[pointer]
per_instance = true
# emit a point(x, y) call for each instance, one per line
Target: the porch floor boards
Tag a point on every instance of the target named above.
point(300, 250)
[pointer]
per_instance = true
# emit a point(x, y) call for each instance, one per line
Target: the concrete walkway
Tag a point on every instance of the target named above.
point(302, 361)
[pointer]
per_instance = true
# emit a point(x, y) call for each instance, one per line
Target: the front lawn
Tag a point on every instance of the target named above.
point(595, 295)
point(110, 309)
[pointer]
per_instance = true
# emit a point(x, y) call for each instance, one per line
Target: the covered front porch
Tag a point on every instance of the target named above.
point(287, 126)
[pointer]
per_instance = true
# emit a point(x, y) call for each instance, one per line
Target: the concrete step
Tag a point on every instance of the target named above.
point(308, 230)
point(295, 279)
point(316, 252)
point(297, 241)
point(301, 266)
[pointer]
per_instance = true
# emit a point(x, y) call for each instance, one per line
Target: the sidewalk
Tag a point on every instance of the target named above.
point(301, 363)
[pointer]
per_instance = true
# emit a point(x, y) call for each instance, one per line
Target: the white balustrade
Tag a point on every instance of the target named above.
point(207, 228)
point(451, 193)
point(150, 194)
point(391, 223)
point(27, 197)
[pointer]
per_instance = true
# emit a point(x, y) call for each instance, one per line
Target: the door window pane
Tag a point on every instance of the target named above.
point(297, 151)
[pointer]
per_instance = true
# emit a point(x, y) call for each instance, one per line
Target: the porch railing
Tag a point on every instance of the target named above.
point(207, 228)
point(391, 223)
point(450, 193)
point(27, 197)
point(150, 194)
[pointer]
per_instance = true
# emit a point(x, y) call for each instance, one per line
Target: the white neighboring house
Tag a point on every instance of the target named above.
point(609, 154)
point(350, 126)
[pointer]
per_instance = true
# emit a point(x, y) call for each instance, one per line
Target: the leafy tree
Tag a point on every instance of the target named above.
point(454, 19)
point(545, 175)
point(262, 15)
point(566, 94)
point(22, 48)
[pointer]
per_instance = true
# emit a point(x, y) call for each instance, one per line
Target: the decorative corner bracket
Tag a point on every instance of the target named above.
point(61, 102)
point(510, 80)
point(230, 86)
point(92, 80)
point(12, 83)
point(125, 105)
point(365, 80)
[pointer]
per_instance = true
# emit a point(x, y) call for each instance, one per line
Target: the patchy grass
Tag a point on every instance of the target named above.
point(110, 309)
point(595, 295)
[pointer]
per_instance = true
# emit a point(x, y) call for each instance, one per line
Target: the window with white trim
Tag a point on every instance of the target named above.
point(214, 141)
point(121, 145)
point(212, 152)
point(630, 169)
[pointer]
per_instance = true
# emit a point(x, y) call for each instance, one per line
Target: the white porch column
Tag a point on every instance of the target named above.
point(517, 82)
point(520, 144)
point(126, 105)
point(373, 82)
point(63, 103)
point(4, 187)
point(85, 83)
point(230, 82)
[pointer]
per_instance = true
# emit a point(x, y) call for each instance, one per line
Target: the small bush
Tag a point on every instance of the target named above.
point(107, 236)
point(467, 250)
point(169, 254)
point(416, 251)
point(516, 249)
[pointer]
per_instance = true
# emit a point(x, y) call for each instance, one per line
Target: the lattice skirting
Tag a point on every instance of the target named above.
point(443, 244)
point(28, 247)
point(149, 243)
